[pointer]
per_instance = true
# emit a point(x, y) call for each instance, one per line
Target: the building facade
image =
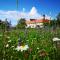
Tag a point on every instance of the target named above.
point(33, 23)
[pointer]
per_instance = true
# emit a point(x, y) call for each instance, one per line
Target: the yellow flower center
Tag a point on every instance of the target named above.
point(23, 46)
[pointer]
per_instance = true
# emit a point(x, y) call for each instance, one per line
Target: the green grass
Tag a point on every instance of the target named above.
point(37, 40)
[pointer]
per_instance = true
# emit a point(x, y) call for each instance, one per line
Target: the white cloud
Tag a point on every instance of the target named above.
point(47, 17)
point(33, 13)
point(8, 14)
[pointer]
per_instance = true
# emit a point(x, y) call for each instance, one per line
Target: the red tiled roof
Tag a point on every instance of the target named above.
point(37, 21)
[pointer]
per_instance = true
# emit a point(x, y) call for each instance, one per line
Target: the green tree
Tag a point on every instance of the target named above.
point(21, 24)
point(5, 24)
point(58, 19)
point(2, 24)
point(53, 23)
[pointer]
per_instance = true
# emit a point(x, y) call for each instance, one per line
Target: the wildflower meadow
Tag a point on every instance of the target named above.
point(29, 44)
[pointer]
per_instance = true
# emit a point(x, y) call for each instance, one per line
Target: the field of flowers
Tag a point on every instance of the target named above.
point(28, 44)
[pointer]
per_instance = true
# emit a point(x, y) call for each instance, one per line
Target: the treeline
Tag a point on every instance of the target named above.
point(55, 22)
point(5, 25)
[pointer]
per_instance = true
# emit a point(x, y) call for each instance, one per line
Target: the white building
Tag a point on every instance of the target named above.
point(33, 23)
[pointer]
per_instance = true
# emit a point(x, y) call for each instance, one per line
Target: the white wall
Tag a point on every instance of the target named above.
point(34, 25)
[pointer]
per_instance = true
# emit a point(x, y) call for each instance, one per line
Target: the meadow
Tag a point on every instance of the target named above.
point(39, 44)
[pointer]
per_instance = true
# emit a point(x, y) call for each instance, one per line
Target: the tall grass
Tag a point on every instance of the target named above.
point(40, 44)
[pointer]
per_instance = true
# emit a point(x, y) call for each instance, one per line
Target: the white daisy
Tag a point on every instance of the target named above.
point(7, 45)
point(22, 48)
point(56, 39)
point(9, 41)
point(37, 48)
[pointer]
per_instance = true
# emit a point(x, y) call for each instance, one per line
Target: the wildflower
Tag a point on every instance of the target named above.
point(18, 48)
point(12, 46)
point(37, 48)
point(7, 45)
point(56, 39)
point(9, 41)
point(8, 37)
point(43, 53)
point(22, 48)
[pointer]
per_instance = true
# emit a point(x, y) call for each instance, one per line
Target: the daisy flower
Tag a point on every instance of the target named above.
point(7, 45)
point(22, 48)
point(56, 39)
point(9, 41)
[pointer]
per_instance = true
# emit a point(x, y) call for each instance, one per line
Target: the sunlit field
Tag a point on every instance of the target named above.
point(28, 44)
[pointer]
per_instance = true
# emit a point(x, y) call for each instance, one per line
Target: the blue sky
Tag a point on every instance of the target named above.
point(40, 7)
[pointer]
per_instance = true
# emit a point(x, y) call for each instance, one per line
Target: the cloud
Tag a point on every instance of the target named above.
point(33, 13)
point(8, 14)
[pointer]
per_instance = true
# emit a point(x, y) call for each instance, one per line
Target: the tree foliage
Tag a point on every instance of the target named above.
point(21, 24)
point(53, 23)
point(58, 19)
point(5, 24)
